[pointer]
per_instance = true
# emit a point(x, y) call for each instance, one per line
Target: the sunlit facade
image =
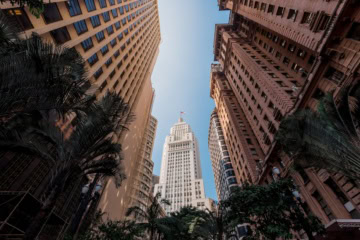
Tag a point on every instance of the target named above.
point(180, 178)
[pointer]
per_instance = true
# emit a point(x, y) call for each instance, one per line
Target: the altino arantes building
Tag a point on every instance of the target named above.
point(274, 57)
point(119, 40)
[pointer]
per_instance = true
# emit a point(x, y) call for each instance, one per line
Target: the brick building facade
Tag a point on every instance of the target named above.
point(275, 57)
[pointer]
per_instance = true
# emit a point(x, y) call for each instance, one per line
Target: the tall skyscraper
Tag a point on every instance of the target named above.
point(275, 57)
point(119, 40)
point(224, 174)
point(180, 176)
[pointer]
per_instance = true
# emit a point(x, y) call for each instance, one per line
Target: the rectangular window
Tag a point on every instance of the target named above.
point(51, 13)
point(110, 30)
point(106, 16)
point(334, 75)
point(60, 35)
point(87, 44)
point(114, 13)
point(286, 61)
point(119, 1)
point(100, 36)
point(126, 32)
point(108, 62)
point(104, 49)
point(121, 9)
point(102, 3)
point(117, 25)
point(292, 14)
point(90, 5)
point(354, 32)
point(93, 59)
point(307, 17)
point(117, 53)
point(98, 73)
point(95, 21)
point(271, 9)
point(123, 21)
point(80, 27)
point(120, 36)
point(280, 11)
point(74, 7)
point(112, 2)
point(113, 42)
point(18, 16)
point(126, 8)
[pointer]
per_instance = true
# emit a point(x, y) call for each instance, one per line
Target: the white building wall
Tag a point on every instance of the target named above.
point(180, 176)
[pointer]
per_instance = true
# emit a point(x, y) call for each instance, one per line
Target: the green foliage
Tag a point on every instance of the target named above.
point(326, 138)
point(271, 210)
point(114, 230)
point(151, 220)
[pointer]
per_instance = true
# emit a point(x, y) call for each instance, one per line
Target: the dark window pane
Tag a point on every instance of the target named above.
point(90, 5)
point(102, 3)
point(106, 16)
point(110, 30)
point(60, 35)
point(104, 50)
point(74, 8)
point(51, 13)
point(95, 21)
point(19, 17)
point(121, 9)
point(114, 13)
point(87, 44)
point(112, 2)
point(80, 27)
point(100, 36)
point(93, 59)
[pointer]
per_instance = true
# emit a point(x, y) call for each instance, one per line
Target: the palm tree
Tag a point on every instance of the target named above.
point(326, 138)
point(90, 150)
point(37, 76)
point(151, 218)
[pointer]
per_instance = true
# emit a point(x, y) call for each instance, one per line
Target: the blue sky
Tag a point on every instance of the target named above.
point(182, 74)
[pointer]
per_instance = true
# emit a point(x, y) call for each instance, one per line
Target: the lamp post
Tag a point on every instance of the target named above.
point(89, 192)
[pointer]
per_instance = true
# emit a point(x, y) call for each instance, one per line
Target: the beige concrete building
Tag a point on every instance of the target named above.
point(274, 57)
point(119, 40)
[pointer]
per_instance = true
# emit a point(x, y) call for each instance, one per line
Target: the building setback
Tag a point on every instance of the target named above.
point(224, 174)
point(119, 40)
point(275, 57)
point(180, 175)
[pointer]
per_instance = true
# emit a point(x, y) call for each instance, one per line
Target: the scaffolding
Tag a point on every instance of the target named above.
point(18, 208)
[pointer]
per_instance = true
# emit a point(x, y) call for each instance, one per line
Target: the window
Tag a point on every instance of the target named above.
point(18, 16)
point(301, 53)
point(112, 2)
point(324, 21)
point(117, 25)
point(120, 36)
point(334, 75)
point(93, 59)
point(108, 62)
point(95, 21)
point(100, 36)
point(354, 32)
point(106, 16)
point(307, 17)
point(90, 5)
point(51, 13)
point(256, 6)
point(102, 3)
point(80, 27)
point(123, 21)
point(286, 61)
point(271, 9)
point(292, 14)
point(110, 30)
point(60, 35)
point(104, 49)
point(126, 32)
point(280, 11)
point(87, 44)
point(74, 8)
point(291, 48)
point(117, 53)
point(121, 9)
point(113, 42)
point(278, 55)
point(114, 13)
point(126, 8)
point(98, 73)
